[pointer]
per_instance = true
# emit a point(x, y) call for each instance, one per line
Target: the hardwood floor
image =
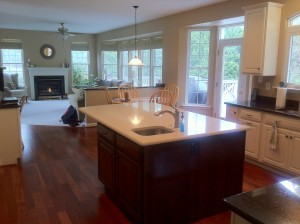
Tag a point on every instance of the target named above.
point(57, 181)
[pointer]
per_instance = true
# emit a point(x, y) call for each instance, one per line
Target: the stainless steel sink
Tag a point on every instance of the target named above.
point(153, 130)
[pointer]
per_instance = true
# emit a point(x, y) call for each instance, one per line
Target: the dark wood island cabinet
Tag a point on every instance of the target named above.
point(174, 182)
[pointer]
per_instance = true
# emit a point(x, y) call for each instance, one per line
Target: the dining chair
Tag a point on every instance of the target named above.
point(174, 90)
point(108, 96)
point(21, 103)
point(133, 94)
point(162, 97)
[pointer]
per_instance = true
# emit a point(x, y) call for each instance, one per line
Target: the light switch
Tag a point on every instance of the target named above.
point(268, 86)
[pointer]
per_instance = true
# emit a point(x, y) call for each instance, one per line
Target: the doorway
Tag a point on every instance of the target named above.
point(230, 85)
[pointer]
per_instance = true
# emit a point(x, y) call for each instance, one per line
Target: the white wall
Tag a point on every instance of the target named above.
point(33, 40)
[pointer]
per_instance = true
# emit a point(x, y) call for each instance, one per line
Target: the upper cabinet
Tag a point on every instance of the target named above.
point(261, 39)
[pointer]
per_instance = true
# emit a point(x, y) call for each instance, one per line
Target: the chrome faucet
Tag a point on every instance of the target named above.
point(175, 114)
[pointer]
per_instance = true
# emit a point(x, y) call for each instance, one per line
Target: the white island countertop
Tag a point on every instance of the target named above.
point(122, 118)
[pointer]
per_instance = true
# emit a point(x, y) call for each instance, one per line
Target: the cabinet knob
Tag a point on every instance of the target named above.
point(291, 137)
point(286, 136)
point(258, 69)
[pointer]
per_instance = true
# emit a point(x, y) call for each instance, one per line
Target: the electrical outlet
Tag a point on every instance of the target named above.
point(268, 86)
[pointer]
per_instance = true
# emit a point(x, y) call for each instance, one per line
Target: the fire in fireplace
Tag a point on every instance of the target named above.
point(49, 86)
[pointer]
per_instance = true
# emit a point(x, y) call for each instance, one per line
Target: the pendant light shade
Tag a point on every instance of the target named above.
point(135, 60)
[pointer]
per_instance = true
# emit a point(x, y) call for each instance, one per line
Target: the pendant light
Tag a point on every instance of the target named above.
point(135, 60)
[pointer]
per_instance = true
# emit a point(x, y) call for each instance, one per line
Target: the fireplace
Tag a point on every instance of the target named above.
point(48, 86)
point(55, 77)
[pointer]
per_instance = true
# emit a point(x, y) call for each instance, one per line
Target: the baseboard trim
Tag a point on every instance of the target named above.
point(268, 167)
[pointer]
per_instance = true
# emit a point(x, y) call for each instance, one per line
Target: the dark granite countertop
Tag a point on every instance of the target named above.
point(267, 104)
point(275, 204)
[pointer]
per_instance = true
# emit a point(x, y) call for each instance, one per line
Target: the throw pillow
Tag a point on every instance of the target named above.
point(78, 92)
point(11, 85)
point(15, 80)
point(115, 82)
point(7, 79)
point(103, 82)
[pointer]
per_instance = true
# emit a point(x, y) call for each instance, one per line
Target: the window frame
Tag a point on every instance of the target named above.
point(290, 31)
point(125, 46)
point(21, 77)
point(210, 68)
point(88, 64)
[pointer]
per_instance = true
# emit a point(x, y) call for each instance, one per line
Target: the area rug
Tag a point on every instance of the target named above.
point(44, 112)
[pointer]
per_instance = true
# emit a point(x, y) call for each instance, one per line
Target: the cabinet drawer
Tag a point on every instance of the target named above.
point(250, 115)
point(106, 133)
point(129, 148)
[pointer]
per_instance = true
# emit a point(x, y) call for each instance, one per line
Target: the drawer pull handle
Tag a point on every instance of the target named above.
point(249, 115)
point(104, 133)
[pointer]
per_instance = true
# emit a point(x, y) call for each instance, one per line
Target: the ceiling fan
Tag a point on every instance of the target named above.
point(64, 31)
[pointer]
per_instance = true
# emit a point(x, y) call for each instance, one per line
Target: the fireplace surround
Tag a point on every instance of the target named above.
point(48, 86)
point(46, 72)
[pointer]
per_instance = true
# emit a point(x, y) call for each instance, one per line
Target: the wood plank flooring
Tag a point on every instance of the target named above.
point(56, 181)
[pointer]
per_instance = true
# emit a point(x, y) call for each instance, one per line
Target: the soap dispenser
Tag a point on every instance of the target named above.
point(181, 127)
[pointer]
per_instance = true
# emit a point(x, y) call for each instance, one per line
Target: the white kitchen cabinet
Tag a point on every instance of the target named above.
point(236, 219)
point(252, 138)
point(232, 113)
point(261, 39)
point(253, 120)
point(294, 153)
point(287, 153)
point(277, 156)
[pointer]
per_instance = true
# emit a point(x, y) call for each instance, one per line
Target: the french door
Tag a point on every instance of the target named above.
point(230, 84)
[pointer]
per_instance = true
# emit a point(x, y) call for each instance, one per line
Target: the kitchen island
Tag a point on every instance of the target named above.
point(176, 177)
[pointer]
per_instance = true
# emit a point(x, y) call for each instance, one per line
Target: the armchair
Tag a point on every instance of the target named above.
point(12, 88)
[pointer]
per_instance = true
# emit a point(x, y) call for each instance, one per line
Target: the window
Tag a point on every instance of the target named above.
point(110, 64)
point(293, 59)
point(116, 55)
point(12, 58)
point(198, 66)
point(80, 63)
point(232, 32)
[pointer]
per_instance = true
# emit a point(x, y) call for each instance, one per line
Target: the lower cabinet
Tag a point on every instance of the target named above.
point(175, 182)
point(106, 164)
point(252, 119)
point(286, 154)
point(252, 138)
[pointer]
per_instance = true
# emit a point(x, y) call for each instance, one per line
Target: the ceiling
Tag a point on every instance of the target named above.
point(88, 16)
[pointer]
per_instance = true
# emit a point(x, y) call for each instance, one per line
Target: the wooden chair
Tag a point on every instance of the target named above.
point(174, 90)
point(21, 103)
point(162, 97)
point(133, 94)
point(108, 96)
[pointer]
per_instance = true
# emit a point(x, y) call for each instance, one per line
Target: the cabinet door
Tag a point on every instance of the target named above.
point(278, 156)
point(171, 182)
point(294, 156)
point(253, 45)
point(252, 138)
point(128, 185)
point(222, 165)
point(232, 113)
point(106, 164)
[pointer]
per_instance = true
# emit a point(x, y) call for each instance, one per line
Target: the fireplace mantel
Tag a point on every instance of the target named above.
point(47, 71)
